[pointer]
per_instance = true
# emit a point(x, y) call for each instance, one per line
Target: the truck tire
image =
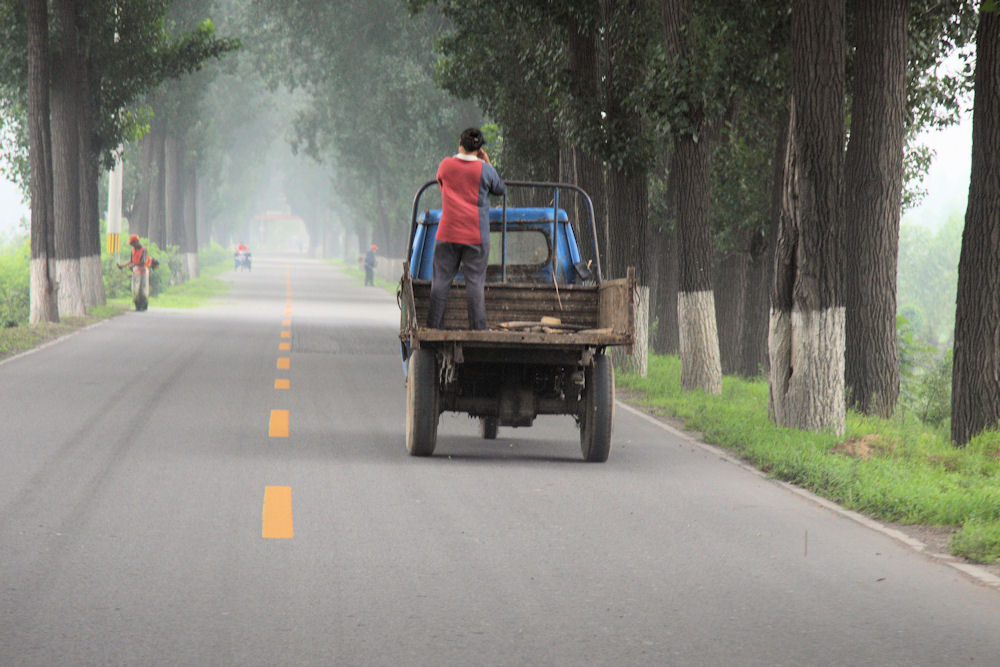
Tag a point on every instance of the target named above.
point(488, 427)
point(422, 403)
point(598, 410)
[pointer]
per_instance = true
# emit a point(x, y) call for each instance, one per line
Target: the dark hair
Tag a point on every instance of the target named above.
point(472, 139)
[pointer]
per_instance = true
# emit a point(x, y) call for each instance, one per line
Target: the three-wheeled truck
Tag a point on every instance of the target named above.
point(551, 320)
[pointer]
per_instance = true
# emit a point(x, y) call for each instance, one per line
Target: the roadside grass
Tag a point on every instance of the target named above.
point(192, 294)
point(897, 470)
point(14, 340)
point(355, 271)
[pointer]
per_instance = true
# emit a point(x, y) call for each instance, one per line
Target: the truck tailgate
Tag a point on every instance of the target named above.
point(598, 315)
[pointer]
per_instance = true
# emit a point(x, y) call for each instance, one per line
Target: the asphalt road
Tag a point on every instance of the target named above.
point(153, 512)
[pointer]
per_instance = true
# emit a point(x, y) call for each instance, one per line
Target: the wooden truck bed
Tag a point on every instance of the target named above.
point(599, 315)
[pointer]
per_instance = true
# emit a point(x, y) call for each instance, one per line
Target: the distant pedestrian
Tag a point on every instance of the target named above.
point(463, 236)
point(370, 265)
point(140, 263)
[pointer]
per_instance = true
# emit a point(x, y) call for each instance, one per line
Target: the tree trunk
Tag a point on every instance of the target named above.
point(730, 291)
point(44, 305)
point(753, 346)
point(190, 216)
point(381, 233)
point(701, 367)
point(586, 170)
point(66, 158)
point(91, 272)
point(173, 202)
point(664, 307)
point(975, 392)
point(751, 355)
point(589, 176)
point(690, 177)
point(873, 182)
point(138, 216)
point(157, 185)
point(204, 225)
point(806, 335)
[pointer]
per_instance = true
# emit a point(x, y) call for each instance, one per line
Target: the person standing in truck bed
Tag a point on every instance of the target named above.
point(463, 236)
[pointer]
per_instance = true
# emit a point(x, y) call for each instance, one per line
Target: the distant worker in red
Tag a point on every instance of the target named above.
point(139, 263)
point(463, 236)
point(370, 265)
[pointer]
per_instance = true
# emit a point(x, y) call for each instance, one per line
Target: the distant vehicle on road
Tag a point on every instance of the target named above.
point(551, 319)
point(242, 260)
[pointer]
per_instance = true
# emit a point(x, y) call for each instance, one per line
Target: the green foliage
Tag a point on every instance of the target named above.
point(213, 255)
point(896, 470)
point(15, 258)
point(925, 376)
point(978, 540)
point(118, 282)
point(367, 104)
point(516, 97)
point(928, 279)
point(128, 49)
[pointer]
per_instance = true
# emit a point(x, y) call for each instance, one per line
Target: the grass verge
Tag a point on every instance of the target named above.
point(192, 294)
point(14, 340)
point(897, 470)
point(355, 271)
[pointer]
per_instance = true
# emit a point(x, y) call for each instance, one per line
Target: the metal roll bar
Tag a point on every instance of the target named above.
point(555, 187)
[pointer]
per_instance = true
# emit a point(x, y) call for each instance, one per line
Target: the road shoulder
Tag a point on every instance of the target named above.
point(931, 541)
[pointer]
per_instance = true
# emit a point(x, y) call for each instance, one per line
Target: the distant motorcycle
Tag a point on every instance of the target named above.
point(242, 260)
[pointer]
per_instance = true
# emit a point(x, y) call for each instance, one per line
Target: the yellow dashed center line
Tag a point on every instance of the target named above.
point(278, 426)
point(276, 522)
point(276, 519)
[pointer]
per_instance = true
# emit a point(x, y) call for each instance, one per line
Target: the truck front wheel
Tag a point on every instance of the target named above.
point(422, 403)
point(598, 410)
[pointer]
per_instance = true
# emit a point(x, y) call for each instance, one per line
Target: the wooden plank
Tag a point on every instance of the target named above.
point(500, 338)
point(617, 305)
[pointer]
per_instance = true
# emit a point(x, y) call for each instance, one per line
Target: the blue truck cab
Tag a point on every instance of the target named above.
point(527, 244)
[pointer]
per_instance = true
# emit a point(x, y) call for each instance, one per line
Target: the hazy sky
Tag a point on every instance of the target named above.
point(947, 182)
point(11, 207)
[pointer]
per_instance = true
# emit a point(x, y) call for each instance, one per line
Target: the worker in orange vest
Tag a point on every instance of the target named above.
point(139, 263)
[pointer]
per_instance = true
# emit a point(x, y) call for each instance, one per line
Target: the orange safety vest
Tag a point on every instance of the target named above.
point(140, 257)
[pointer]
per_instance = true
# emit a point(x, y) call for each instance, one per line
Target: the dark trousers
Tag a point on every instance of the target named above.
point(369, 275)
point(448, 258)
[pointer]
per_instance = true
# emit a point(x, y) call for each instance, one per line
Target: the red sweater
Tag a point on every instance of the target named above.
point(465, 189)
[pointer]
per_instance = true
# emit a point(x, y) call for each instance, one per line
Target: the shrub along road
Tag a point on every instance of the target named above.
point(199, 487)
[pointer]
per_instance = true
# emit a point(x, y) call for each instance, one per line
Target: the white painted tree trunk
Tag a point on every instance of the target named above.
point(92, 280)
point(701, 367)
point(191, 264)
point(806, 350)
point(70, 288)
point(43, 307)
point(636, 359)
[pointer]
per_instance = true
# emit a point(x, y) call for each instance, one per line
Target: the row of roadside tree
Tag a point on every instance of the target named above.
point(751, 160)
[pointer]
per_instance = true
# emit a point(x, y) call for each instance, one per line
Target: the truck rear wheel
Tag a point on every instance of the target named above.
point(598, 410)
point(422, 403)
point(488, 427)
